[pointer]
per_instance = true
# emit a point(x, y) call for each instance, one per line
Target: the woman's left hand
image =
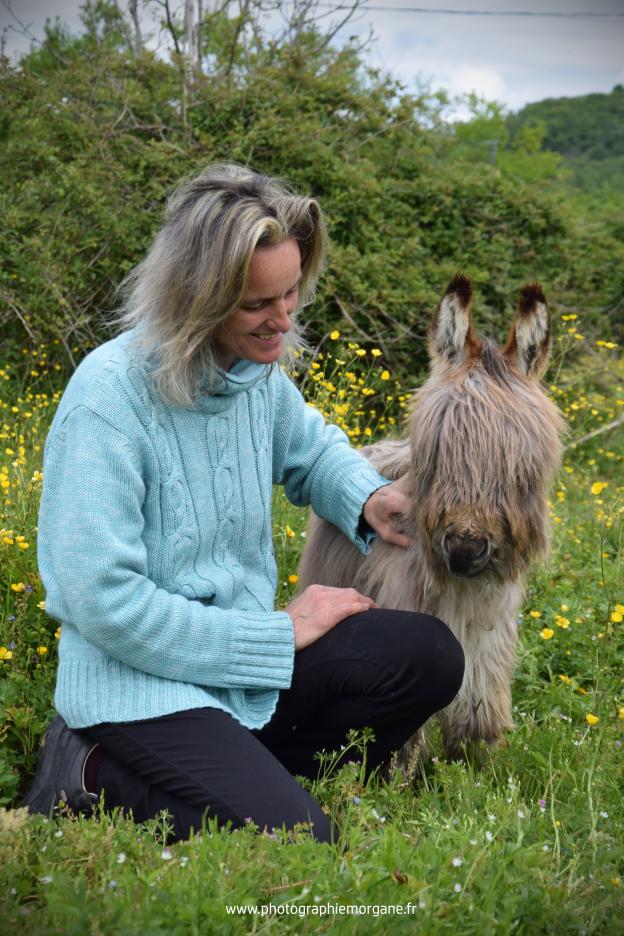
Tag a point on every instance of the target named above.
point(386, 509)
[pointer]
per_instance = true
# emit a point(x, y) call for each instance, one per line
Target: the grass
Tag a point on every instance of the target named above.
point(529, 843)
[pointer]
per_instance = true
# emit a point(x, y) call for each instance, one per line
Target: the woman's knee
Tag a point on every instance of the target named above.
point(446, 661)
point(429, 650)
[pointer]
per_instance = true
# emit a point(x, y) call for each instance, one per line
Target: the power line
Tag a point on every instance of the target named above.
point(525, 13)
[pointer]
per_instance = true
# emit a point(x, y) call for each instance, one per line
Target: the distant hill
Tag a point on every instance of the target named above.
point(590, 126)
point(588, 131)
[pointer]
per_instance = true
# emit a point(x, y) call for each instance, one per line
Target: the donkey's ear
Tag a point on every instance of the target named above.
point(528, 345)
point(452, 337)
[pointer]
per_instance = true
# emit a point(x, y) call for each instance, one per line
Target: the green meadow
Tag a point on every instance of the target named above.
point(529, 842)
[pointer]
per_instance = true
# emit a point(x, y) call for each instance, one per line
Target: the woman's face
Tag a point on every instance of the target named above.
point(255, 330)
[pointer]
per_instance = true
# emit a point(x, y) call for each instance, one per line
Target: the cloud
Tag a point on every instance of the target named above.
point(484, 81)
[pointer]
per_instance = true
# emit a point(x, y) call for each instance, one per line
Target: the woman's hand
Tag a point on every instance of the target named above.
point(385, 512)
point(319, 608)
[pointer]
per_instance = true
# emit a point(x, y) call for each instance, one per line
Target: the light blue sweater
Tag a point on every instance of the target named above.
point(155, 537)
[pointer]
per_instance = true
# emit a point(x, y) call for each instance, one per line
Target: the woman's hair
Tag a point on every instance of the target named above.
point(195, 272)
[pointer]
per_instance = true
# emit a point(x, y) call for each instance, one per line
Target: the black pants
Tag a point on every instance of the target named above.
point(389, 670)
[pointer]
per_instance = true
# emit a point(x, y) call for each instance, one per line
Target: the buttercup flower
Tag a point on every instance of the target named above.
point(592, 719)
point(546, 633)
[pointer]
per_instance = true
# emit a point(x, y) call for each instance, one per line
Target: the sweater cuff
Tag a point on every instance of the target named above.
point(354, 499)
point(267, 662)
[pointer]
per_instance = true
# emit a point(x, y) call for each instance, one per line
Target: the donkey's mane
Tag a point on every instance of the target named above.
point(482, 430)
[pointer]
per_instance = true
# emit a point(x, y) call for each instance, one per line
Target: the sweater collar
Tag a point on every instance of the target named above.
point(219, 396)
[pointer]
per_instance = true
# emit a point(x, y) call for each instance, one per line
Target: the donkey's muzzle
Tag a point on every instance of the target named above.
point(465, 555)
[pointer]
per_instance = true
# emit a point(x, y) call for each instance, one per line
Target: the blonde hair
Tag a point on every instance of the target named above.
point(195, 272)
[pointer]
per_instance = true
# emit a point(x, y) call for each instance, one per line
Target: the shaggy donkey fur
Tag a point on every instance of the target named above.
point(483, 445)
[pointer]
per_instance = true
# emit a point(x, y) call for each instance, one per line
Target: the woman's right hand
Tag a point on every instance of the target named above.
point(319, 608)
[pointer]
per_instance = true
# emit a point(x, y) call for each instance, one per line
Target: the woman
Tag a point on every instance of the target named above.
point(179, 686)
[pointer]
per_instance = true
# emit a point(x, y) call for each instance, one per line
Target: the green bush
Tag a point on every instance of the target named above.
point(93, 137)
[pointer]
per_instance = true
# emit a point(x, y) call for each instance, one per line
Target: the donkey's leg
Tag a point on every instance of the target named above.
point(414, 752)
point(482, 709)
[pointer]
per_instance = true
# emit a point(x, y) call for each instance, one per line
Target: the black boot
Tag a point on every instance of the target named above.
point(60, 771)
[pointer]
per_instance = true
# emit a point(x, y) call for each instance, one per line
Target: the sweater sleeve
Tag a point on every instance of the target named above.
point(317, 465)
point(93, 563)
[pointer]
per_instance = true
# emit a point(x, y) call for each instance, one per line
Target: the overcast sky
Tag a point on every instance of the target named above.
point(508, 58)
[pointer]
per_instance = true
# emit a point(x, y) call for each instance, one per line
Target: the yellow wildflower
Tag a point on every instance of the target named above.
point(562, 621)
point(6, 654)
point(293, 579)
point(564, 679)
point(290, 533)
point(57, 633)
point(18, 587)
point(621, 713)
point(385, 375)
point(535, 614)
point(41, 605)
point(376, 352)
point(616, 616)
point(546, 633)
point(42, 651)
point(592, 719)
point(335, 335)
point(360, 352)
point(598, 487)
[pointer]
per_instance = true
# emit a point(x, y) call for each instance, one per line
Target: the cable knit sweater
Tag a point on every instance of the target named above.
point(155, 537)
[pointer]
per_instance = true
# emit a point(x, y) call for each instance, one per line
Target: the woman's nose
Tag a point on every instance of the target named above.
point(281, 313)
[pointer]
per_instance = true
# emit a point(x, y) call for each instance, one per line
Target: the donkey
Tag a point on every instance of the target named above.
point(483, 444)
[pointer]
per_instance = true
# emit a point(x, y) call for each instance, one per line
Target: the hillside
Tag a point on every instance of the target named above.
point(588, 131)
